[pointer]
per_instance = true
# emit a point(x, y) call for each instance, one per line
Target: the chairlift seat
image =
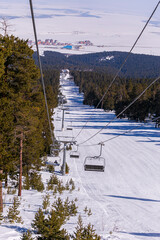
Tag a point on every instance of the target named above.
point(74, 154)
point(94, 164)
point(69, 128)
point(58, 118)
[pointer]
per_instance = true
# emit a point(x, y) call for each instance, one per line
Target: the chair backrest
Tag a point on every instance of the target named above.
point(96, 168)
point(94, 164)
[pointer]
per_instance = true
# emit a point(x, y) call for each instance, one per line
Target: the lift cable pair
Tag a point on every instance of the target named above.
point(121, 134)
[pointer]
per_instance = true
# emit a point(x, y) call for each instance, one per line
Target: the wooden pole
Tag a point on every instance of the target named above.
point(1, 194)
point(64, 160)
point(20, 167)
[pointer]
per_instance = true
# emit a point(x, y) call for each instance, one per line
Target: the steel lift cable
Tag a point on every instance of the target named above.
point(130, 130)
point(125, 60)
point(41, 72)
point(121, 134)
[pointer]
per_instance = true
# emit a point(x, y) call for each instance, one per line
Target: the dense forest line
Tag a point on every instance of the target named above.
point(137, 65)
point(23, 118)
point(120, 95)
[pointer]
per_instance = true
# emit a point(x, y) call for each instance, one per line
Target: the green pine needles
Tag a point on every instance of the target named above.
point(13, 212)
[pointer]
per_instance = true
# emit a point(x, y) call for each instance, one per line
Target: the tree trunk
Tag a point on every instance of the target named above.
point(20, 167)
point(6, 180)
point(102, 104)
point(1, 194)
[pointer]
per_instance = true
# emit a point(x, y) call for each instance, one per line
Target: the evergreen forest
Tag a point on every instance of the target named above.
point(23, 118)
point(122, 92)
point(137, 66)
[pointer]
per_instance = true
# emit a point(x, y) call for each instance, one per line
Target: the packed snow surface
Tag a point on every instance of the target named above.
point(125, 198)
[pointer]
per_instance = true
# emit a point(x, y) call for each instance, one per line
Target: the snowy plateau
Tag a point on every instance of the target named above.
point(125, 198)
point(109, 25)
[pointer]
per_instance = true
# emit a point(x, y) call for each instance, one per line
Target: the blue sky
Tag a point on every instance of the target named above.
point(139, 7)
point(130, 6)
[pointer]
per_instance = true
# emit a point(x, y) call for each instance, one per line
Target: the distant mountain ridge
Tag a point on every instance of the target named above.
point(137, 65)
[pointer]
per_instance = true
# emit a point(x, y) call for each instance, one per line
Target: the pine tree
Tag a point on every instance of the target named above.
point(84, 232)
point(60, 210)
point(36, 181)
point(26, 183)
point(67, 185)
point(78, 234)
point(46, 202)
point(89, 212)
point(89, 233)
point(1, 192)
point(49, 228)
point(13, 211)
point(72, 208)
point(27, 236)
point(86, 209)
point(1, 217)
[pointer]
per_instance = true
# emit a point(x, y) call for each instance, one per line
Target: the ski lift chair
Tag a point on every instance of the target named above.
point(69, 128)
point(74, 154)
point(64, 100)
point(95, 163)
point(54, 152)
point(58, 118)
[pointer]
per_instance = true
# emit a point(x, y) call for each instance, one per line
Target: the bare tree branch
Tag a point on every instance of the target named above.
point(5, 25)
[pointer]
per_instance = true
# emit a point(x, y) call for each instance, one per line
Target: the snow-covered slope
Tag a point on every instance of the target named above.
point(125, 198)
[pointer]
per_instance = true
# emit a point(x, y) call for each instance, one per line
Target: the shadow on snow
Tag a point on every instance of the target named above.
point(16, 228)
point(143, 234)
point(134, 198)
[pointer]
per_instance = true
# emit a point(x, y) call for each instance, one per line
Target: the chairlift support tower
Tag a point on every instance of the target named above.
point(65, 141)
